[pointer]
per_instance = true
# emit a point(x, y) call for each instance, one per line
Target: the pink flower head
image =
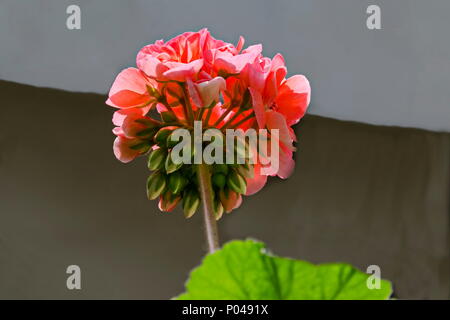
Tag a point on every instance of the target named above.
point(195, 77)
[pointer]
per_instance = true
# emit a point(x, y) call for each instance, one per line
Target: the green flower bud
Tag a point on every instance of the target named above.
point(156, 159)
point(168, 117)
point(236, 182)
point(246, 170)
point(149, 122)
point(219, 180)
point(218, 208)
point(170, 165)
point(142, 146)
point(156, 183)
point(221, 168)
point(191, 202)
point(177, 182)
point(171, 141)
point(161, 136)
point(147, 133)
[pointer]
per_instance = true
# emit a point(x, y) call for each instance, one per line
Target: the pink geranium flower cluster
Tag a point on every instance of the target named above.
point(196, 77)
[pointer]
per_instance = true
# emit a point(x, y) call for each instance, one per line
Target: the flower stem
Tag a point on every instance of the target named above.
point(206, 193)
point(223, 116)
point(187, 104)
point(251, 115)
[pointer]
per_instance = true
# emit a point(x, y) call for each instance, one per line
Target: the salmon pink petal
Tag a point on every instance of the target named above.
point(240, 44)
point(118, 131)
point(121, 114)
point(183, 71)
point(293, 98)
point(122, 149)
point(150, 65)
point(275, 120)
point(131, 128)
point(276, 75)
point(287, 165)
point(233, 64)
point(257, 182)
point(129, 89)
point(258, 107)
point(253, 74)
point(193, 93)
point(209, 91)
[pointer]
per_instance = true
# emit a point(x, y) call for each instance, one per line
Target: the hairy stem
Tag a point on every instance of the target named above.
point(206, 193)
point(187, 104)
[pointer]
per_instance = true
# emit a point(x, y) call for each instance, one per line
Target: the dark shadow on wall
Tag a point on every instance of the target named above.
point(361, 194)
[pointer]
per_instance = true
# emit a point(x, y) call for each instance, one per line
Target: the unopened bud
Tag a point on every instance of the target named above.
point(218, 209)
point(157, 159)
point(156, 184)
point(221, 168)
point(172, 140)
point(219, 180)
point(168, 117)
point(236, 182)
point(161, 136)
point(168, 201)
point(147, 133)
point(230, 200)
point(149, 122)
point(142, 146)
point(191, 202)
point(246, 170)
point(177, 182)
point(170, 165)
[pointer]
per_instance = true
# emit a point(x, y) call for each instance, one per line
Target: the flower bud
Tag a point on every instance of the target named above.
point(156, 159)
point(170, 165)
point(172, 141)
point(229, 199)
point(246, 170)
point(141, 146)
point(168, 117)
point(236, 182)
point(209, 90)
point(149, 122)
point(177, 182)
point(191, 202)
point(218, 209)
point(221, 168)
point(168, 201)
point(156, 183)
point(219, 180)
point(161, 136)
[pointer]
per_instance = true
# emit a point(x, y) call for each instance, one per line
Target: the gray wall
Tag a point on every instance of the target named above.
point(360, 194)
point(396, 76)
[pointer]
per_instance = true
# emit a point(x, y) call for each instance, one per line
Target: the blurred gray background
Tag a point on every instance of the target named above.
point(361, 193)
point(398, 75)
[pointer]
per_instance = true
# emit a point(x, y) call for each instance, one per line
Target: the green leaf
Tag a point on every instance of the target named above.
point(244, 270)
